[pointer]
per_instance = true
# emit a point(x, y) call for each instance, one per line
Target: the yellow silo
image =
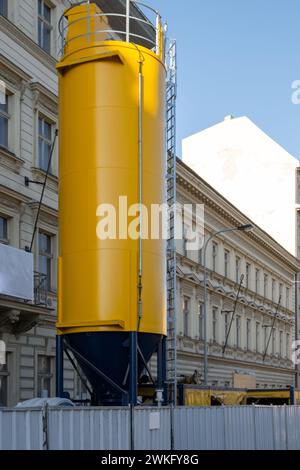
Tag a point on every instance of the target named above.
point(112, 152)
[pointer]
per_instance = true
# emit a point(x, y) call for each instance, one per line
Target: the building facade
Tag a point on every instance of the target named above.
point(298, 277)
point(256, 174)
point(269, 275)
point(28, 121)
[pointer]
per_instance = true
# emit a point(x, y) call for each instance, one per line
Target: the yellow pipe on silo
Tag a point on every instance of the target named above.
point(99, 162)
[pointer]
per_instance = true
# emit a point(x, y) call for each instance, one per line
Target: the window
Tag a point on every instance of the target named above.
point(280, 290)
point(273, 290)
point(280, 343)
point(45, 258)
point(4, 121)
point(214, 255)
point(186, 315)
point(3, 230)
point(266, 335)
point(227, 324)
point(256, 280)
point(44, 376)
point(257, 337)
point(185, 232)
point(237, 269)
point(185, 242)
point(3, 7)
point(287, 345)
point(248, 334)
point(287, 297)
point(45, 136)
point(214, 323)
point(266, 279)
point(238, 331)
point(44, 26)
point(200, 324)
point(248, 275)
point(226, 262)
point(200, 256)
point(3, 385)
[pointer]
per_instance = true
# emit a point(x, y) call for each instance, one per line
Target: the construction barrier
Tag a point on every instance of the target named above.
point(183, 428)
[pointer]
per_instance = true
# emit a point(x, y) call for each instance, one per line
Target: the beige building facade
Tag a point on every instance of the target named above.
point(28, 121)
point(269, 274)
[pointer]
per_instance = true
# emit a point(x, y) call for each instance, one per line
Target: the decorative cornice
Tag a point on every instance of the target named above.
point(47, 214)
point(36, 86)
point(16, 35)
point(10, 161)
point(194, 185)
point(11, 72)
point(44, 97)
point(14, 195)
point(39, 175)
point(287, 316)
point(240, 361)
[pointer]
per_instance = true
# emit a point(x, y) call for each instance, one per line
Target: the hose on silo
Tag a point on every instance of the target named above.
point(140, 142)
point(140, 145)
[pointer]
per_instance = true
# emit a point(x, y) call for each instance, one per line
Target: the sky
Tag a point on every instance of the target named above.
point(236, 57)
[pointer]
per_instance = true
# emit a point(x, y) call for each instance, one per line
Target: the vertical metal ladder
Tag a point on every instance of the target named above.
point(171, 92)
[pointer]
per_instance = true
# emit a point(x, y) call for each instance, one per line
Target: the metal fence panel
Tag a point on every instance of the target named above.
point(216, 428)
point(89, 429)
point(199, 428)
point(292, 427)
point(263, 427)
point(237, 428)
point(279, 427)
point(239, 431)
point(21, 429)
point(152, 428)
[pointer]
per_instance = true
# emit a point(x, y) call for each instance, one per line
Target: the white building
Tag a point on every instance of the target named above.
point(251, 170)
point(269, 272)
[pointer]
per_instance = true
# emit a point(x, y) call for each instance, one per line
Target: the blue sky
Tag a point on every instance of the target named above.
point(237, 57)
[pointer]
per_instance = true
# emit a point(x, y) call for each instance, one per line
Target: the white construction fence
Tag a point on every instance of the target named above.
point(183, 428)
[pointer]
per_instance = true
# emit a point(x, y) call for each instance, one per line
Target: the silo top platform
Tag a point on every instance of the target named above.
point(85, 23)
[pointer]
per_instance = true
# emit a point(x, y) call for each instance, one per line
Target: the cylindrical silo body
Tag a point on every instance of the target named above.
point(112, 156)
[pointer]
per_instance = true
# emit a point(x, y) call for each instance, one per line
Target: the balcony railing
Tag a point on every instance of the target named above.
point(125, 32)
point(41, 290)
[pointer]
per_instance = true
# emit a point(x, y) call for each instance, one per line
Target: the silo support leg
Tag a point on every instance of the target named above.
point(59, 366)
point(133, 368)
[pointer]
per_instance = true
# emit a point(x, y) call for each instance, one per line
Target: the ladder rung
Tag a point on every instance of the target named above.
point(171, 200)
